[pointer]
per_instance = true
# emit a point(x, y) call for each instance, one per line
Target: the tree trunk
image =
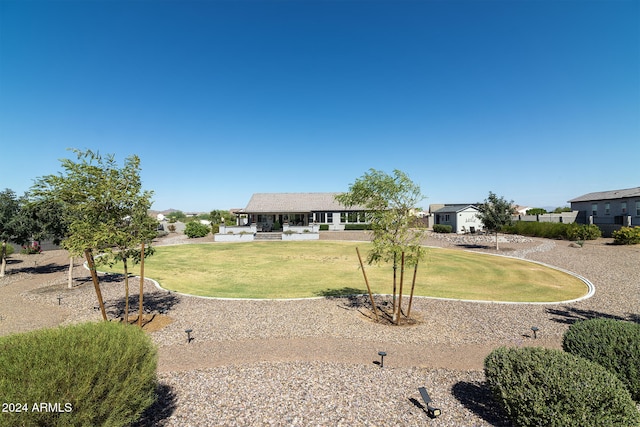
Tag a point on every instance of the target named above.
point(497, 241)
point(140, 309)
point(393, 308)
point(3, 264)
point(126, 291)
point(70, 274)
point(96, 282)
point(400, 291)
point(413, 285)
point(364, 273)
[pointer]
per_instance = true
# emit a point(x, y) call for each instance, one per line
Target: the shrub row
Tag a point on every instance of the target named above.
point(87, 375)
point(592, 383)
point(627, 236)
point(554, 230)
point(442, 228)
point(357, 226)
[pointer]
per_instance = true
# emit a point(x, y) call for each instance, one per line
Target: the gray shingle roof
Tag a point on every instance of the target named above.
point(294, 202)
point(608, 195)
point(454, 208)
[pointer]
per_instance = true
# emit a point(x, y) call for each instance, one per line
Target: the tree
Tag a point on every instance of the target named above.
point(134, 229)
point(536, 211)
point(389, 202)
point(220, 216)
point(102, 202)
point(10, 226)
point(495, 213)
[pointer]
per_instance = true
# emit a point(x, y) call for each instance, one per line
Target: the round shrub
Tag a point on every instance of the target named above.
point(85, 375)
point(545, 387)
point(583, 232)
point(195, 229)
point(627, 236)
point(614, 344)
point(442, 228)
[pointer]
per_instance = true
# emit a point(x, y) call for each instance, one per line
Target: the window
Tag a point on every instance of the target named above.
point(607, 208)
point(638, 208)
point(343, 217)
point(623, 207)
point(594, 209)
point(329, 217)
point(447, 217)
point(321, 217)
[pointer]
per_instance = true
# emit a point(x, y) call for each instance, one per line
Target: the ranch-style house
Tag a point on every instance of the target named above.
point(300, 209)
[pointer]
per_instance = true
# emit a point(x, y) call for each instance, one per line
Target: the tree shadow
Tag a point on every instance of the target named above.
point(477, 398)
point(569, 315)
point(359, 299)
point(155, 302)
point(15, 266)
point(157, 415)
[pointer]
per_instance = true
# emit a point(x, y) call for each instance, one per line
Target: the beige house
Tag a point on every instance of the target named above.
point(300, 209)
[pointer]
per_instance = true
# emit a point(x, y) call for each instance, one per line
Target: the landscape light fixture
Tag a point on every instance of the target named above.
point(59, 299)
point(535, 331)
point(188, 331)
point(431, 410)
point(382, 354)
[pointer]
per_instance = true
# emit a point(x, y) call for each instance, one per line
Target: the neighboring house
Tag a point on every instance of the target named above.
point(461, 218)
point(609, 210)
point(300, 209)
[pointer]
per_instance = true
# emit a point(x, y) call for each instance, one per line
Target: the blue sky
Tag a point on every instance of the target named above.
point(536, 101)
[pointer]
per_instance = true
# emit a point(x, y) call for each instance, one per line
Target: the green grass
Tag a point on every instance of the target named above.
point(308, 269)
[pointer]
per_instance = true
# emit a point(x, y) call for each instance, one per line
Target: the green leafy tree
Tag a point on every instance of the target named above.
point(389, 201)
point(495, 213)
point(49, 220)
point(220, 216)
point(101, 202)
point(12, 225)
point(562, 209)
point(135, 228)
point(536, 211)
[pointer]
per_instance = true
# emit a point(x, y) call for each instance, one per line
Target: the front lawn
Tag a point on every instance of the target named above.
point(308, 269)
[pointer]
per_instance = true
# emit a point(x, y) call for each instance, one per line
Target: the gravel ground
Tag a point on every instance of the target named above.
point(315, 362)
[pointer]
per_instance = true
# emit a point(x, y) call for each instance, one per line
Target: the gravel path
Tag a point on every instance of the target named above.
point(315, 362)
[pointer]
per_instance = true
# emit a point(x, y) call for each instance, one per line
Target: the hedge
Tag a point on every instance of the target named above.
point(83, 375)
point(545, 387)
point(611, 343)
point(442, 228)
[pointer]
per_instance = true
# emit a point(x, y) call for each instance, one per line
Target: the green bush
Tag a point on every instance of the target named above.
point(195, 229)
point(357, 226)
point(545, 387)
point(554, 230)
point(215, 228)
point(614, 344)
point(324, 227)
point(627, 236)
point(85, 375)
point(582, 232)
point(442, 228)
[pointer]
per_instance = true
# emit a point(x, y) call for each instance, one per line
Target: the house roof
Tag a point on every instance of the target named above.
point(295, 202)
point(608, 195)
point(454, 208)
